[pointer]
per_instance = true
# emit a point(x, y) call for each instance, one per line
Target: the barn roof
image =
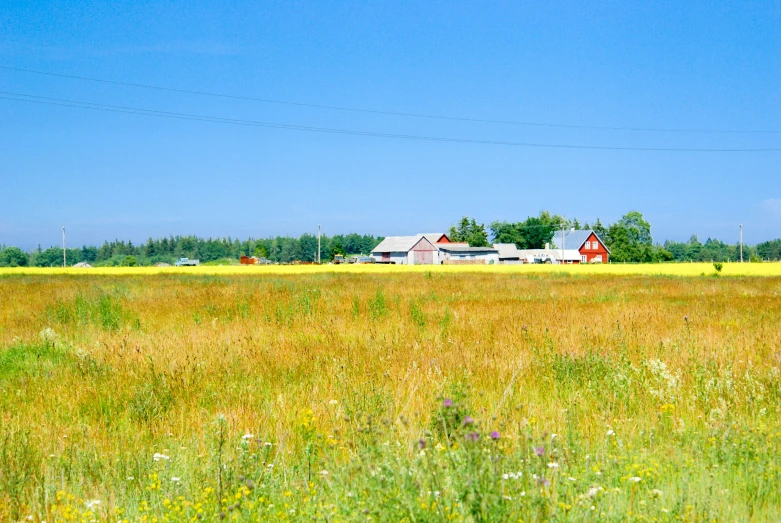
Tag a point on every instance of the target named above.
point(575, 239)
point(400, 243)
point(433, 237)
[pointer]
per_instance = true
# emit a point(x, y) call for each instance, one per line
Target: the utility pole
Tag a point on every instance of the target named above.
point(318, 244)
point(64, 260)
point(562, 243)
point(741, 243)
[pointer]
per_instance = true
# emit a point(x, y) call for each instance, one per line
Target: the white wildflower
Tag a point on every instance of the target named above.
point(553, 465)
point(267, 444)
point(635, 479)
point(247, 436)
point(610, 432)
point(333, 402)
point(175, 479)
point(571, 478)
point(323, 472)
point(92, 504)
point(48, 334)
point(160, 457)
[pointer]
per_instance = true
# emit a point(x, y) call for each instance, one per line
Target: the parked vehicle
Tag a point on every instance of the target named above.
point(338, 259)
point(186, 262)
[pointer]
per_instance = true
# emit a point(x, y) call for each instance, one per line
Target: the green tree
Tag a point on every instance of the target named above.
point(469, 231)
point(629, 239)
point(129, 261)
point(505, 232)
point(13, 257)
point(261, 251)
point(336, 248)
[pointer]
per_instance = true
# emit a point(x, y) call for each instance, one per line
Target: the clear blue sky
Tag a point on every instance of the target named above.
point(700, 65)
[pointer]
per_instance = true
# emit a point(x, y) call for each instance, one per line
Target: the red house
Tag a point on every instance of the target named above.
point(590, 246)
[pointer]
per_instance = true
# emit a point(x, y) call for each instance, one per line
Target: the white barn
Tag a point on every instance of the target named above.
point(406, 250)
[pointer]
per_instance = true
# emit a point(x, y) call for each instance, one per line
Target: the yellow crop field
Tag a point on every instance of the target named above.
point(377, 393)
point(667, 269)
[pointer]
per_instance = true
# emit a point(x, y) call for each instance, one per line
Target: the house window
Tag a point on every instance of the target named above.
point(583, 259)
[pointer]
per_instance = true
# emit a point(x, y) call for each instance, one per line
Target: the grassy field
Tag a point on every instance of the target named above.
point(391, 394)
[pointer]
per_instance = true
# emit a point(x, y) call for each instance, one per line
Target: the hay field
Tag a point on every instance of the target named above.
point(389, 395)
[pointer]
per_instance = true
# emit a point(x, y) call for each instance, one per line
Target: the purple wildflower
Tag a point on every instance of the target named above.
point(468, 421)
point(472, 436)
point(422, 443)
point(448, 403)
point(542, 481)
point(495, 435)
point(540, 451)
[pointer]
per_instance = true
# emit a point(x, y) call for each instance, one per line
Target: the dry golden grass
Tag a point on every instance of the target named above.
point(100, 372)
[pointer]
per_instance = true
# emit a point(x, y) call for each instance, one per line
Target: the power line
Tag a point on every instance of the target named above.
point(389, 113)
point(252, 123)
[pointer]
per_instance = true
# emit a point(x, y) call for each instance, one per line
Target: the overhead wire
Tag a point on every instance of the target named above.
point(21, 97)
point(388, 113)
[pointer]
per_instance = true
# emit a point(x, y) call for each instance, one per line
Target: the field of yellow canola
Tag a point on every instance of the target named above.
point(666, 269)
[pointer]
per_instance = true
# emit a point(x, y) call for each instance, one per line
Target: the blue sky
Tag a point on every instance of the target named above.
point(702, 65)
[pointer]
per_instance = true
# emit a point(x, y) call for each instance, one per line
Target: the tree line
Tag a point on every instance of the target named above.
point(282, 249)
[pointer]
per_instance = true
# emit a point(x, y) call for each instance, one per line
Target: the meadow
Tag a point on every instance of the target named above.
point(382, 394)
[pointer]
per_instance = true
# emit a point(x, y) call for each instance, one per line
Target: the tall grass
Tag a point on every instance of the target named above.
point(428, 396)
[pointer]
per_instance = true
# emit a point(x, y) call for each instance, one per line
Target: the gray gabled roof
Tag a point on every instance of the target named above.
point(400, 243)
point(574, 239)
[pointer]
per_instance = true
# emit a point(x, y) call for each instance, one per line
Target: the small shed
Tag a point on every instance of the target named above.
point(460, 254)
point(509, 253)
point(406, 250)
point(82, 265)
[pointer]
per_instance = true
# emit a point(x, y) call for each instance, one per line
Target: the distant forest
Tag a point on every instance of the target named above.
point(281, 249)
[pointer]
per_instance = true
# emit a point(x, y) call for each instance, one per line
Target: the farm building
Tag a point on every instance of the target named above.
point(406, 250)
point(510, 254)
point(589, 245)
point(459, 253)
